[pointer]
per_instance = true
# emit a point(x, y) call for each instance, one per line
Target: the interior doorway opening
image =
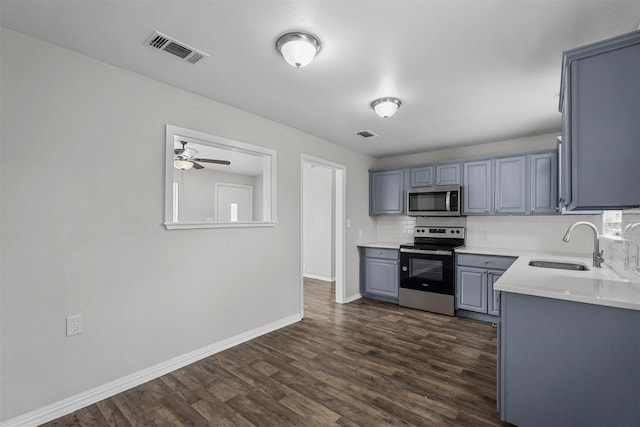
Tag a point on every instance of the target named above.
point(322, 220)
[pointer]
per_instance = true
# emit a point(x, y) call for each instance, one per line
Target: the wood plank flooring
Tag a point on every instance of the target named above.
point(366, 363)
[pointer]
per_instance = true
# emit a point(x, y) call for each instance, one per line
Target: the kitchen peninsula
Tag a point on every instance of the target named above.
point(568, 345)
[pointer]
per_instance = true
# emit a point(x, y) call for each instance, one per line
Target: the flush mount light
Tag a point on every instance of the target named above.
point(386, 107)
point(298, 49)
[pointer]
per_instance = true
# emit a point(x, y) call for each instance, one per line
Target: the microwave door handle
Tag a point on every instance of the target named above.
point(448, 202)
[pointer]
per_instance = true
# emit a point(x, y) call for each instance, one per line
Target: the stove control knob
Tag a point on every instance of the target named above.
point(404, 268)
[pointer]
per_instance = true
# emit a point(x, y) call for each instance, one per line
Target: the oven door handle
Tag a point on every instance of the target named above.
point(425, 251)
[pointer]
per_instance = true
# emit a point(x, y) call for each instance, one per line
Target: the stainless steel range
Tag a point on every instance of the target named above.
point(427, 269)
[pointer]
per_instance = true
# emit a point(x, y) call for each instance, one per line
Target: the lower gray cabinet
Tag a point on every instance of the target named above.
point(564, 363)
point(380, 273)
point(475, 278)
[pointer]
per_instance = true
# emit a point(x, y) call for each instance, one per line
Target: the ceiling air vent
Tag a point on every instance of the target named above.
point(170, 45)
point(366, 134)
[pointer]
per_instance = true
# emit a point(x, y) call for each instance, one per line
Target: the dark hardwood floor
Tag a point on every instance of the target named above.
point(366, 363)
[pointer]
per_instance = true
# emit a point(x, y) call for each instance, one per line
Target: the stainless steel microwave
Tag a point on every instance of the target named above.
point(434, 201)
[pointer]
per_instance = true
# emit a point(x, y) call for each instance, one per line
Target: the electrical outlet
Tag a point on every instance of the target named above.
point(483, 236)
point(74, 324)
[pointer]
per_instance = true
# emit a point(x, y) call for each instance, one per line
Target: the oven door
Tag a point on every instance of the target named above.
point(427, 270)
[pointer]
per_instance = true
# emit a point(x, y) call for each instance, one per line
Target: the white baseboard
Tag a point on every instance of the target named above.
point(352, 298)
point(317, 277)
point(89, 397)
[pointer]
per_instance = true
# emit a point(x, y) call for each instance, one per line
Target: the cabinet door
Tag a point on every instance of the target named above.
point(493, 296)
point(601, 104)
point(448, 174)
point(477, 191)
point(471, 289)
point(544, 183)
point(381, 277)
point(386, 192)
point(422, 176)
point(511, 185)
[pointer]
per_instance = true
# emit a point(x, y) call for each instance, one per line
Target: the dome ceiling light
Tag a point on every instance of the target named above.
point(386, 107)
point(298, 49)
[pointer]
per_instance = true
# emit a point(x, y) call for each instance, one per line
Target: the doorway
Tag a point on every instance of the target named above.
point(330, 255)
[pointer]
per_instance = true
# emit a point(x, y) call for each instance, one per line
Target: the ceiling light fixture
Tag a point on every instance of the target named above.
point(386, 107)
point(298, 49)
point(182, 164)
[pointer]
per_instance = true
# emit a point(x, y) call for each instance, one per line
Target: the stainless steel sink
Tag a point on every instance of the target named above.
point(559, 265)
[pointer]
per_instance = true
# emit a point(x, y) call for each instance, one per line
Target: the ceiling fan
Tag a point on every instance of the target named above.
point(184, 158)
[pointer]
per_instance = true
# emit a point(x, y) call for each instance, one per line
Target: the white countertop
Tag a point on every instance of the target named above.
point(601, 286)
point(384, 245)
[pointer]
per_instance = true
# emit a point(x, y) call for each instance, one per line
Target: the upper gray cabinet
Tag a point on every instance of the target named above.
point(421, 176)
point(600, 105)
point(477, 192)
point(439, 174)
point(386, 192)
point(511, 185)
point(543, 183)
point(448, 174)
point(524, 184)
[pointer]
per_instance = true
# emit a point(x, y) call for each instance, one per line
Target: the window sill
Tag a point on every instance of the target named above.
point(193, 225)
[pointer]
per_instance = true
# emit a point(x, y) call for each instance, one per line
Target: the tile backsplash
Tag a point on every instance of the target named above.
point(624, 252)
point(395, 228)
point(538, 233)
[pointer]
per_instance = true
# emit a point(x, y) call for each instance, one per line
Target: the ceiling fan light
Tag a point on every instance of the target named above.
point(386, 107)
point(298, 49)
point(182, 164)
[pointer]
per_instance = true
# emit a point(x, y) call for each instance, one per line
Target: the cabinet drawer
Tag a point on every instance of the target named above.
point(381, 253)
point(485, 261)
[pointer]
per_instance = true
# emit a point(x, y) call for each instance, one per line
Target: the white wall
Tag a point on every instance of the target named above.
point(318, 222)
point(511, 146)
point(81, 227)
point(197, 193)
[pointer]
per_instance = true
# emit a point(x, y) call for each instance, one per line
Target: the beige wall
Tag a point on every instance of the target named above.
point(82, 197)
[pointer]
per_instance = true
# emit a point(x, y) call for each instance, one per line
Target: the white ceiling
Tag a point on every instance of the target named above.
point(467, 72)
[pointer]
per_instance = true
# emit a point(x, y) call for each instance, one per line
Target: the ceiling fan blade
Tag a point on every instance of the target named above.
point(220, 162)
point(196, 165)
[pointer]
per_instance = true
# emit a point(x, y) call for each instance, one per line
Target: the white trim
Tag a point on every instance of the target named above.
point(339, 203)
point(317, 277)
point(89, 397)
point(269, 181)
point(190, 225)
point(353, 298)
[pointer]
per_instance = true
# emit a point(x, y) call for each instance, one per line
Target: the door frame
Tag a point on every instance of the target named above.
point(339, 231)
point(226, 184)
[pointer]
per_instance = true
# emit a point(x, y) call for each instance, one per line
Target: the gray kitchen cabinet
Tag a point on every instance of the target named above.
point(471, 289)
point(511, 185)
point(381, 274)
point(543, 177)
point(475, 277)
point(448, 174)
point(493, 296)
point(386, 192)
point(421, 176)
point(477, 191)
point(600, 105)
point(564, 363)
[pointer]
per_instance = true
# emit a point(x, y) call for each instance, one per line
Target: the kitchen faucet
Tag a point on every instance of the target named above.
point(597, 253)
